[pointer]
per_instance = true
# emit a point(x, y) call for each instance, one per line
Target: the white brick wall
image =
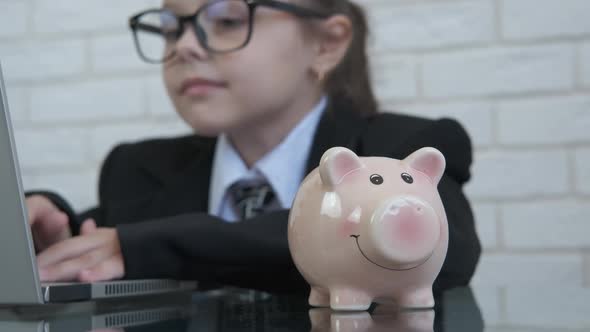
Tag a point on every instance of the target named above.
point(51, 16)
point(432, 25)
point(516, 73)
point(499, 71)
point(87, 101)
point(585, 63)
point(14, 18)
point(38, 60)
point(519, 174)
point(549, 18)
point(529, 270)
point(558, 224)
point(487, 224)
point(541, 120)
point(582, 171)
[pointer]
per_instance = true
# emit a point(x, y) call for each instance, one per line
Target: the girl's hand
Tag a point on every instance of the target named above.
point(48, 224)
point(95, 255)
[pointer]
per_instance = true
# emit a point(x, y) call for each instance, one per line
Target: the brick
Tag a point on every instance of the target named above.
point(554, 306)
point(39, 148)
point(432, 25)
point(159, 102)
point(526, 19)
point(499, 71)
point(528, 270)
point(519, 174)
point(87, 101)
point(394, 78)
point(587, 269)
point(585, 63)
point(114, 53)
point(582, 171)
point(78, 187)
point(17, 103)
point(486, 224)
point(550, 224)
point(52, 16)
point(475, 116)
point(42, 60)
point(104, 138)
point(548, 121)
point(14, 18)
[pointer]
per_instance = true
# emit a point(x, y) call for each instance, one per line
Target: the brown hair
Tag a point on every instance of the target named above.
point(350, 82)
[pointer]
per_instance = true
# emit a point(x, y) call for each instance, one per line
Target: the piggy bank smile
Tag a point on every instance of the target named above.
point(401, 267)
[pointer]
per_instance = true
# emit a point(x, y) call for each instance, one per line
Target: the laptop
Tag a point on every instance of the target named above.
point(19, 279)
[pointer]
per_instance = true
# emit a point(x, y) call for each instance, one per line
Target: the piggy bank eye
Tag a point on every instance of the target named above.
point(407, 178)
point(376, 179)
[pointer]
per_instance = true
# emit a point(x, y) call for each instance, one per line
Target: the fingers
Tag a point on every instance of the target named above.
point(88, 226)
point(48, 224)
point(69, 249)
point(53, 224)
point(112, 268)
point(38, 207)
point(69, 269)
point(95, 256)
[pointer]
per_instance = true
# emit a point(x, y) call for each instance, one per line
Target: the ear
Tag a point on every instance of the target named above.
point(334, 40)
point(429, 161)
point(336, 163)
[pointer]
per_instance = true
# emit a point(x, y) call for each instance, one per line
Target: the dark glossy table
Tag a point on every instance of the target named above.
point(504, 309)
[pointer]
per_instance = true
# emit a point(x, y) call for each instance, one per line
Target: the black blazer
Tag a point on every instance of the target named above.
point(156, 194)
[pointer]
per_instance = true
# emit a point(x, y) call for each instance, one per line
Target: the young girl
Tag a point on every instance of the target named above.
point(268, 86)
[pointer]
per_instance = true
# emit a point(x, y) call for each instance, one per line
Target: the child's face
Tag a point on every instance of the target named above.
point(244, 88)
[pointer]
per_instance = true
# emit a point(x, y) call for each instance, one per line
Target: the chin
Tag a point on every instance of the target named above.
point(209, 125)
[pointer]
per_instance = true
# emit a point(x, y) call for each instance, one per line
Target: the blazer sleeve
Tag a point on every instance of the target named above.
point(253, 253)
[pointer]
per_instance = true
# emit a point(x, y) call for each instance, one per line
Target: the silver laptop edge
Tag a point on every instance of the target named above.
point(19, 280)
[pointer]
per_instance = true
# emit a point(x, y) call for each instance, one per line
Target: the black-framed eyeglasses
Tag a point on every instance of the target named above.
point(221, 26)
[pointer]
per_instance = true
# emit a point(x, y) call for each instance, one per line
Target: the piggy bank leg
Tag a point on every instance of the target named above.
point(419, 298)
point(319, 297)
point(349, 299)
point(320, 319)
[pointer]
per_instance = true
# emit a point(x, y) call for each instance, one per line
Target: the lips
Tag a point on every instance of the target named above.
point(199, 86)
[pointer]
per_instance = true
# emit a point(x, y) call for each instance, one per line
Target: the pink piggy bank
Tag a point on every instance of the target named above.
point(370, 229)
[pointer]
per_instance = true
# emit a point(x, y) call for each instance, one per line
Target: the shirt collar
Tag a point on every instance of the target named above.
point(291, 154)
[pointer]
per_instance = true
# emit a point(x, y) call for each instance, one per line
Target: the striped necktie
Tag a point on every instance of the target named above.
point(250, 200)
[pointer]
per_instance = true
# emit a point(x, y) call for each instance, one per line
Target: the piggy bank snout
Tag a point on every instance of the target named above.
point(405, 230)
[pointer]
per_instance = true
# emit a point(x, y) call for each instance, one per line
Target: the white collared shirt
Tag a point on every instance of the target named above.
point(283, 167)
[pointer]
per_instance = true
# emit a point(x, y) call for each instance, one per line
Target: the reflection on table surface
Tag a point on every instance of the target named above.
point(504, 310)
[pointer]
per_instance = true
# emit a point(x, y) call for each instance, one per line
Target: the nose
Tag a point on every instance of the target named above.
point(404, 230)
point(188, 46)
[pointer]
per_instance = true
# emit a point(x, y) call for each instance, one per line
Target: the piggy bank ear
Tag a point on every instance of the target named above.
point(429, 161)
point(336, 163)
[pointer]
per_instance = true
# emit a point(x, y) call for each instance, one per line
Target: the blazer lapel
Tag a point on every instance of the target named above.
point(185, 186)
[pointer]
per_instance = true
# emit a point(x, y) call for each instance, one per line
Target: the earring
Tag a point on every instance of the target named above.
point(319, 74)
